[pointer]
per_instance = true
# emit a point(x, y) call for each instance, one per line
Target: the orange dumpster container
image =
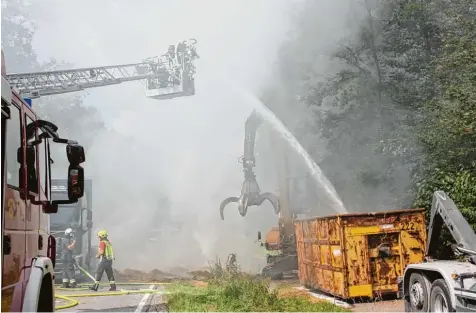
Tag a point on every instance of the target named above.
point(359, 255)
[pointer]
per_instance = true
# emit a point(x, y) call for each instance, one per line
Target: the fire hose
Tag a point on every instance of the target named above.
point(73, 302)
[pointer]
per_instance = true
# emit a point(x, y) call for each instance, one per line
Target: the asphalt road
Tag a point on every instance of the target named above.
point(145, 302)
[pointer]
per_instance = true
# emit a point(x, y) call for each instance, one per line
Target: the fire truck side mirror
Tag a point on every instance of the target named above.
point(259, 235)
point(75, 154)
point(75, 182)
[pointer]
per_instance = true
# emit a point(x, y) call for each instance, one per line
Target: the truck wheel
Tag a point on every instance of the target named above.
point(418, 293)
point(440, 300)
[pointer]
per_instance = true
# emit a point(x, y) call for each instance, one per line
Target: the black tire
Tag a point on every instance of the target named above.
point(418, 293)
point(439, 294)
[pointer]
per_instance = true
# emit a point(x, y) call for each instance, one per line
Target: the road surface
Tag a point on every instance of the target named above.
point(142, 302)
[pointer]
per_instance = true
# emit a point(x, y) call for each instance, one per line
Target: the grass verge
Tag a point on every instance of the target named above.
point(229, 290)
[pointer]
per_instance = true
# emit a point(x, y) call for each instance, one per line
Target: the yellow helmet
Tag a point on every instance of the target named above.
point(102, 234)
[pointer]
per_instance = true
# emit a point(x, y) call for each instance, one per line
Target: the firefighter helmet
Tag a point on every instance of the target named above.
point(68, 232)
point(102, 234)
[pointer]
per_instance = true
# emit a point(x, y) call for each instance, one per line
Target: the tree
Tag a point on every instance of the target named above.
point(448, 130)
point(74, 120)
point(395, 102)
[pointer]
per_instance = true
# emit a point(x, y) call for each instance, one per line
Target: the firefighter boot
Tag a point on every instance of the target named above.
point(65, 284)
point(113, 287)
point(94, 287)
point(73, 284)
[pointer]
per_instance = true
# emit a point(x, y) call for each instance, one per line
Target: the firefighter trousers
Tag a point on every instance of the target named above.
point(68, 270)
point(105, 266)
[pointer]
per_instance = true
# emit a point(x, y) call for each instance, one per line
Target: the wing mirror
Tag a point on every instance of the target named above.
point(75, 182)
point(75, 154)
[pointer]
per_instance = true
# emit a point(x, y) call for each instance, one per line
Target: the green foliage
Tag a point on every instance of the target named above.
point(399, 108)
point(230, 290)
point(460, 186)
point(448, 129)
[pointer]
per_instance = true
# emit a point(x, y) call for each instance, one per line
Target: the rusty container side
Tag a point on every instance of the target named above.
point(359, 255)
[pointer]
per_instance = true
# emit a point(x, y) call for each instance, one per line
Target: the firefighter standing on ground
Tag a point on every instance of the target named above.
point(67, 246)
point(106, 255)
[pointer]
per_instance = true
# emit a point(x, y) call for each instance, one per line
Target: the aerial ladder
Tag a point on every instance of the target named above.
point(280, 242)
point(167, 76)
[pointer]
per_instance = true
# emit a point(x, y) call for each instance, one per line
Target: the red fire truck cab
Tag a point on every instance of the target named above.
point(28, 249)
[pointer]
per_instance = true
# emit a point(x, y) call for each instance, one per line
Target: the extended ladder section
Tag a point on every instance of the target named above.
point(167, 76)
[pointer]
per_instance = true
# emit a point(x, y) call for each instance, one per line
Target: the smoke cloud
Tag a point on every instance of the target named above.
point(184, 150)
point(161, 168)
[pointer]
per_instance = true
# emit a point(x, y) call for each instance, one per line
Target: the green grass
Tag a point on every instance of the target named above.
point(231, 290)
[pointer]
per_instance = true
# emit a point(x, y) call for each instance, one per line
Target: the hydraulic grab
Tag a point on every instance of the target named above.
point(250, 191)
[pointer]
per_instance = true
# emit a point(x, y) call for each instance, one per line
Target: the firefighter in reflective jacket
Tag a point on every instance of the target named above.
point(106, 255)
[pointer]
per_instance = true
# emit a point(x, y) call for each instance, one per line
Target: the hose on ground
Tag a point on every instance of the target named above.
point(72, 302)
point(86, 286)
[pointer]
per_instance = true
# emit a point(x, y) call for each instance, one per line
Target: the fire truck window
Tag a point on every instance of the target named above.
point(13, 143)
point(43, 170)
point(31, 170)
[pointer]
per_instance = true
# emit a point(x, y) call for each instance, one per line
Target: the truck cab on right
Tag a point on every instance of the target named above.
point(444, 285)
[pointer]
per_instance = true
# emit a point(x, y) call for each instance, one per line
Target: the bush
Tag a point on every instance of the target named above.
point(230, 289)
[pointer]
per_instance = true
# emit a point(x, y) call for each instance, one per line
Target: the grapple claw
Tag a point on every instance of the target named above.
point(225, 203)
point(250, 191)
point(271, 197)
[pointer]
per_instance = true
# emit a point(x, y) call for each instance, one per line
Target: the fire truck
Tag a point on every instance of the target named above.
point(28, 249)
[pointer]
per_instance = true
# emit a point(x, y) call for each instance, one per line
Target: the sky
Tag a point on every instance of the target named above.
point(187, 147)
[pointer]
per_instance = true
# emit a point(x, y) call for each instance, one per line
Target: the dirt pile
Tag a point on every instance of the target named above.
point(132, 275)
point(200, 275)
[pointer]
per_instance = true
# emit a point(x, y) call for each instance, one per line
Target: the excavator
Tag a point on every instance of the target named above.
point(280, 242)
point(166, 76)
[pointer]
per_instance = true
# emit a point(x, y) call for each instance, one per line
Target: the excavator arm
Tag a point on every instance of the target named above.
point(250, 192)
point(445, 211)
